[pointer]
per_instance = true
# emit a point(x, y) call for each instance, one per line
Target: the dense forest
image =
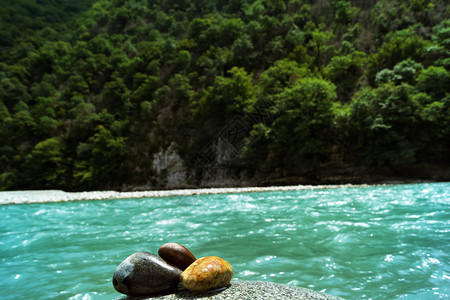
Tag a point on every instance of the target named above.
point(122, 94)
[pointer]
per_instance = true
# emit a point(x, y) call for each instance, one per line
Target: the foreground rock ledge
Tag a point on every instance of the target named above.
point(252, 290)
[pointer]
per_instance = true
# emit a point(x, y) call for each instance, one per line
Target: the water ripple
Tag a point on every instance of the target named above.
point(383, 242)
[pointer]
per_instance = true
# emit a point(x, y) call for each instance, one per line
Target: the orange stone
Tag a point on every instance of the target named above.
point(207, 273)
point(176, 255)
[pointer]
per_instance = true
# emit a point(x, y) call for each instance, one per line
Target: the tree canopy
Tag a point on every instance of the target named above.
point(91, 91)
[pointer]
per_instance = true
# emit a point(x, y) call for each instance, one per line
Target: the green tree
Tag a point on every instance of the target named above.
point(345, 72)
point(383, 126)
point(405, 71)
point(282, 74)
point(319, 44)
point(435, 81)
point(399, 46)
point(45, 164)
point(300, 139)
point(227, 97)
point(345, 12)
point(101, 160)
point(441, 34)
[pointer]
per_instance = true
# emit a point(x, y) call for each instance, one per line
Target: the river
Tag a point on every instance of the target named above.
point(368, 242)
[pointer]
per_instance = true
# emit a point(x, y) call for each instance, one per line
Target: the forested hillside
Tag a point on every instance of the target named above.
point(33, 22)
point(165, 93)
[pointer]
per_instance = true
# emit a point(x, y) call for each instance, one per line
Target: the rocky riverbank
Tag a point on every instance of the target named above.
point(44, 196)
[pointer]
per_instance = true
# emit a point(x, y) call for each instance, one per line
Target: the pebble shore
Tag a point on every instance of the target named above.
point(44, 196)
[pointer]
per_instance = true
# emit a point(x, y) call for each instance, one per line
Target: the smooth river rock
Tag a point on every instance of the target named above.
point(176, 255)
point(207, 273)
point(143, 273)
point(251, 290)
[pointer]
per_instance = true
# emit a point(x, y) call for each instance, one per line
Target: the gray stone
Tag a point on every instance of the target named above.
point(143, 273)
point(251, 290)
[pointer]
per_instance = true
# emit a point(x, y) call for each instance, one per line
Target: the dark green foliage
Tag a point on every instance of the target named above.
point(399, 46)
point(345, 71)
point(385, 125)
point(435, 81)
point(301, 137)
point(91, 90)
point(35, 21)
point(405, 71)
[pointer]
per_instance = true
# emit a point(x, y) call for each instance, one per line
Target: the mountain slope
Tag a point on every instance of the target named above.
point(189, 93)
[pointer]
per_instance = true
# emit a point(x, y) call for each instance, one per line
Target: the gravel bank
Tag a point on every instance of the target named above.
point(44, 196)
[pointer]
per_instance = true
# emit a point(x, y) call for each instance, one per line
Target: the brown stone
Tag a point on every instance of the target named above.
point(207, 273)
point(176, 255)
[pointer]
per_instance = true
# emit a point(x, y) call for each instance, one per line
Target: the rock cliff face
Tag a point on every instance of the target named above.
point(219, 165)
point(216, 166)
point(169, 168)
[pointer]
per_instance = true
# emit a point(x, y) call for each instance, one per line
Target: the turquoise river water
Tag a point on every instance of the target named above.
point(377, 242)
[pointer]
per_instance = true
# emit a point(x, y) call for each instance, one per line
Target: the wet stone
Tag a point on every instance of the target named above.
point(143, 273)
point(251, 290)
point(206, 274)
point(176, 255)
